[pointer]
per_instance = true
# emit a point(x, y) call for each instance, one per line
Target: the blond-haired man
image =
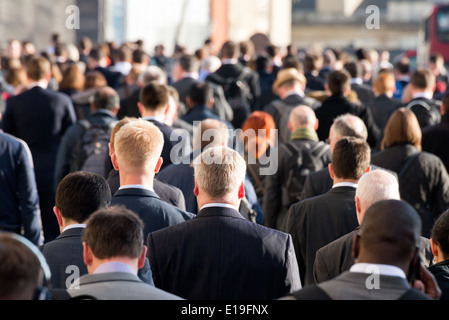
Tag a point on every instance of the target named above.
point(137, 157)
point(220, 255)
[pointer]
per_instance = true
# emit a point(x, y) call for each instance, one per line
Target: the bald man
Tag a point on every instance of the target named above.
point(299, 157)
point(386, 251)
point(336, 257)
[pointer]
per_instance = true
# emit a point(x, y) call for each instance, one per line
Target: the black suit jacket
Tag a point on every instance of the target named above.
point(65, 251)
point(40, 117)
point(219, 255)
point(316, 222)
point(155, 213)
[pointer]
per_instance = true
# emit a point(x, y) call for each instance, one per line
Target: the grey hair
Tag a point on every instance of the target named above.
point(376, 186)
point(219, 172)
point(348, 125)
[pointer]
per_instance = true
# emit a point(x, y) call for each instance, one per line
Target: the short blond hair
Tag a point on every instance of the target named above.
point(219, 172)
point(138, 146)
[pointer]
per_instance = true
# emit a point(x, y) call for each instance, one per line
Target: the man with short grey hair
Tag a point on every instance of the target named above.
point(336, 257)
point(256, 263)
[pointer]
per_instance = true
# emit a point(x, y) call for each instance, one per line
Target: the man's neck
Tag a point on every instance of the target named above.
point(136, 179)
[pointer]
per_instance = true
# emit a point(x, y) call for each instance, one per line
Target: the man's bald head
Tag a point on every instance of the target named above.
point(390, 234)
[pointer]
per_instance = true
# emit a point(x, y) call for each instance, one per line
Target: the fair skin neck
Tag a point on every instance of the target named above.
point(92, 262)
point(63, 222)
point(232, 199)
point(45, 80)
point(159, 114)
point(339, 180)
point(135, 177)
point(437, 253)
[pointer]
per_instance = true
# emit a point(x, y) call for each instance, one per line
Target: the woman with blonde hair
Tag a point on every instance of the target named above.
point(423, 178)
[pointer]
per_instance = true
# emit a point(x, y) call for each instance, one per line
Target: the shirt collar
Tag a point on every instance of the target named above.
point(381, 269)
point(73, 226)
point(345, 184)
point(109, 267)
point(136, 186)
point(422, 95)
point(220, 205)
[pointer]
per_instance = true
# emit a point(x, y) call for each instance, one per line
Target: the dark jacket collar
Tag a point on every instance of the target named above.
point(136, 192)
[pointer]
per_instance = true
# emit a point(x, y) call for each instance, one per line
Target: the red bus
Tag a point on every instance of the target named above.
point(436, 34)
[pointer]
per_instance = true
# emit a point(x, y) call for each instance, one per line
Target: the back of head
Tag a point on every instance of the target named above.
point(38, 68)
point(384, 82)
point(200, 94)
point(354, 69)
point(138, 146)
point(338, 81)
point(106, 98)
point(422, 79)
point(390, 233)
point(154, 96)
point(211, 133)
point(348, 125)
point(189, 63)
point(440, 234)
point(114, 232)
point(351, 158)
point(20, 269)
point(80, 194)
point(219, 172)
point(95, 79)
point(230, 50)
point(152, 74)
point(303, 117)
point(375, 186)
point(402, 128)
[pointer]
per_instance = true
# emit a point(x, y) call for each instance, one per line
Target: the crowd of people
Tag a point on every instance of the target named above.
point(222, 174)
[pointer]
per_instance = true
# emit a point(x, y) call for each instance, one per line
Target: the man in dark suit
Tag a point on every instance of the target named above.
point(337, 104)
point(320, 182)
point(137, 157)
point(153, 105)
point(289, 86)
point(40, 117)
point(386, 251)
point(114, 251)
point(255, 263)
point(18, 192)
point(315, 222)
point(336, 257)
point(77, 197)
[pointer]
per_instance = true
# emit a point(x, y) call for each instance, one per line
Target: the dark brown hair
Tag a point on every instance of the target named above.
point(351, 158)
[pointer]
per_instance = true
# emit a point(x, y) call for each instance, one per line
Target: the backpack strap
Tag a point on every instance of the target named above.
point(407, 165)
point(424, 105)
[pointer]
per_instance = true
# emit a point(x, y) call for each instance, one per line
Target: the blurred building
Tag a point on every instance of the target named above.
point(35, 21)
point(344, 23)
